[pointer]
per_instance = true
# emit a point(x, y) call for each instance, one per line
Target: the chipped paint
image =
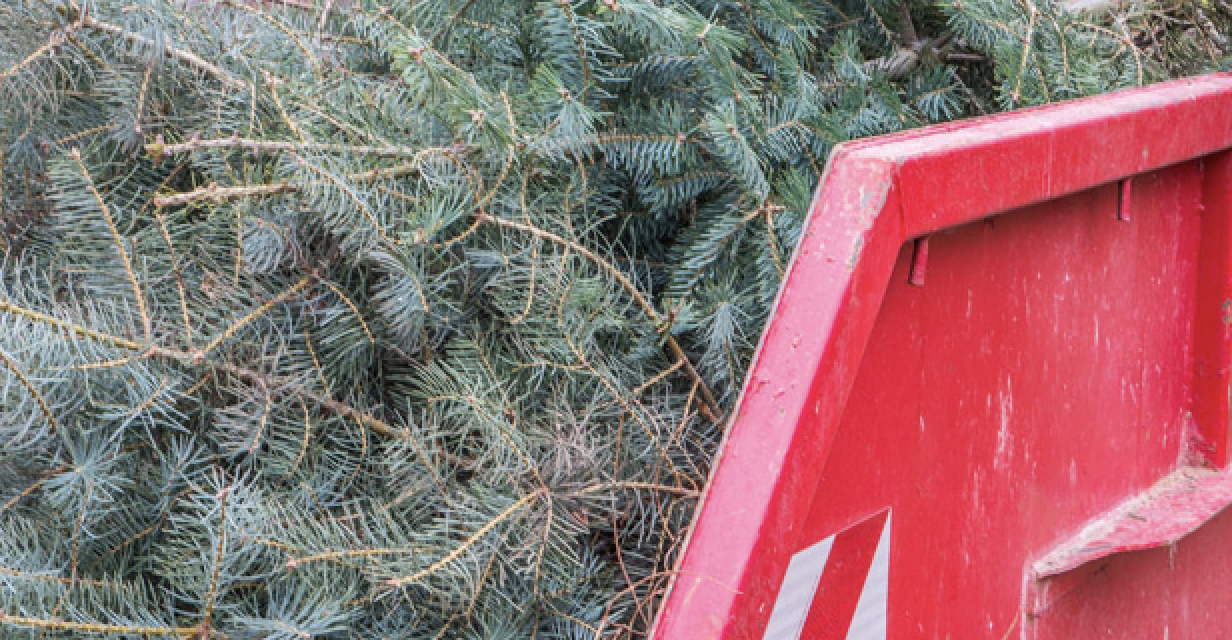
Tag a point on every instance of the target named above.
point(854, 255)
point(1004, 448)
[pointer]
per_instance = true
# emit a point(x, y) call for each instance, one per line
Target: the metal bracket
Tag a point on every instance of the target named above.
point(919, 261)
point(1123, 202)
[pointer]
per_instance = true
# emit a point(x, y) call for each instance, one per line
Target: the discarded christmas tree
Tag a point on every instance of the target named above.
point(421, 319)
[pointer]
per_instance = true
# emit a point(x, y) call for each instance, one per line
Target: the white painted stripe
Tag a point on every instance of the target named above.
point(796, 595)
point(869, 622)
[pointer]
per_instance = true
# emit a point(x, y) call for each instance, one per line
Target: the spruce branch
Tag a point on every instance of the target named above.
point(54, 41)
point(118, 241)
point(353, 307)
point(57, 624)
point(199, 357)
point(532, 469)
point(141, 97)
point(715, 414)
point(627, 404)
point(75, 544)
point(466, 544)
point(294, 562)
point(31, 389)
point(187, 57)
point(345, 187)
point(1128, 45)
point(1027, 41)
point(282, 27)
point(214, 193)
point(70, 327)
point(248, 318)
point(43, 577)
point(657, 378)
point(154, 526)
point(161, 222)
point(31, 488)
point(303, 448)
point(211, 593)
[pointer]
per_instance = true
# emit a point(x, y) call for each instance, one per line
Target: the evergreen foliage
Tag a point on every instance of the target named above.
point(419, 319)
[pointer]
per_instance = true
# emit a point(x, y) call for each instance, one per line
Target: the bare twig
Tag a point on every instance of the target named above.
point(218, 194)
point(55, 624)
point(159, 149)
point(212, 593)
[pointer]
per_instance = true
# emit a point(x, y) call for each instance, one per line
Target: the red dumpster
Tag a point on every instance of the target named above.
point(993, 400)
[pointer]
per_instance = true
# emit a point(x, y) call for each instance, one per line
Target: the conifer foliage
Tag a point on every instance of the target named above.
point(420, 319)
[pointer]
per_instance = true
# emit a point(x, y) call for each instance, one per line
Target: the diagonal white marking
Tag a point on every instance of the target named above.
point(796, 594)
point(869, 622)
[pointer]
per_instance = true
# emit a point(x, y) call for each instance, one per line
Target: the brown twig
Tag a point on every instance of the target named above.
point(159, 149)
point(212, 593)
point(218, 194)
point(55, 624)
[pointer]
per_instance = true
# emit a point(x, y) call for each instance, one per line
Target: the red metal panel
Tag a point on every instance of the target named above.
point(1175, 592)
point(999, 407)
point(810, 353)
point(1214, 319)
point(843, 581)
point(1056, 360)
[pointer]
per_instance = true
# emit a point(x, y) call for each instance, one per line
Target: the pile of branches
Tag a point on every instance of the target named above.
point(423, 319)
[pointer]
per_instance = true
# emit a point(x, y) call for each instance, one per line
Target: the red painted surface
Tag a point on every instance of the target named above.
point(1178, 592)
point(843, 580)
point(1062, 356)
point(1160, 516)
point(1214, 322)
